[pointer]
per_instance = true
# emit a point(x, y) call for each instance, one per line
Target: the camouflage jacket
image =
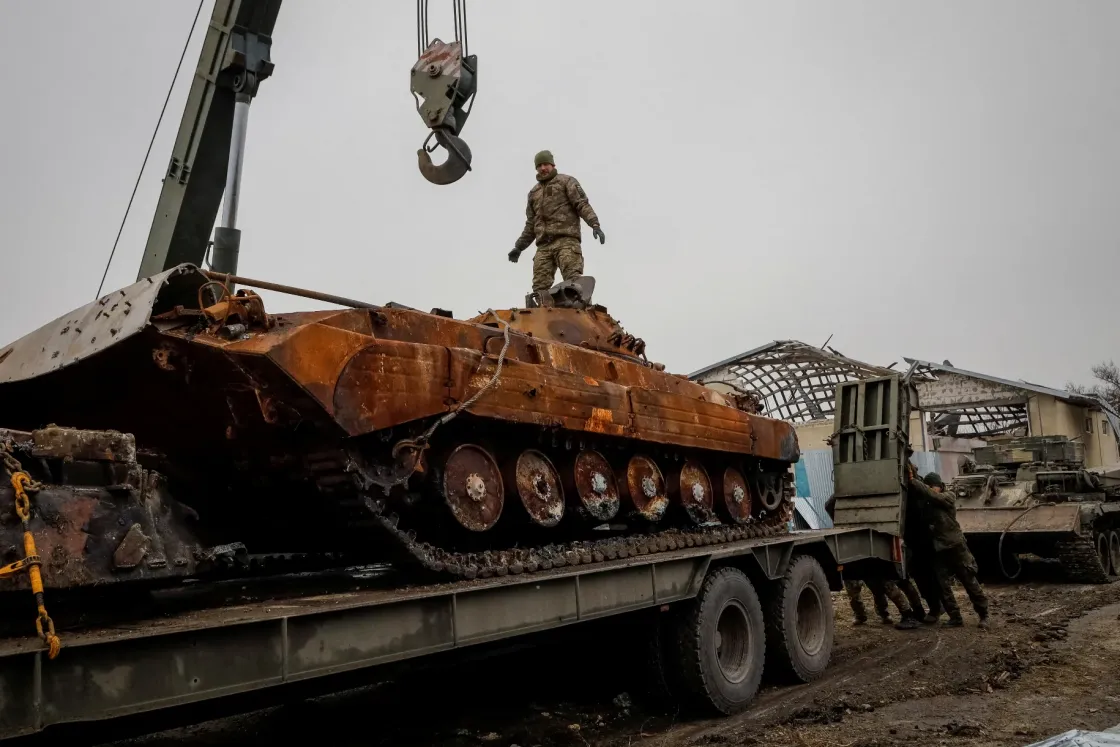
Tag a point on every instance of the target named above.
point(916, 531)
point(553, 211)
point(939, 513)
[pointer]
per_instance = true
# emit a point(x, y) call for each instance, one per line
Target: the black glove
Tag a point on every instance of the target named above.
point(514, 254)
point(598, 233)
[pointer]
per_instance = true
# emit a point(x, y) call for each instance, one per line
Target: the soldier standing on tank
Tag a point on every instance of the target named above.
point(556, 203)
point(953, 558)
point(881, 590)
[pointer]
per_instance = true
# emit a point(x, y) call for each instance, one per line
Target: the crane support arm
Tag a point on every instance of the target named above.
point(233, 62)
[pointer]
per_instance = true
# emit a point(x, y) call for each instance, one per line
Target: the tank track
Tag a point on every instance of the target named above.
point(357, 509)
point(1078, 557)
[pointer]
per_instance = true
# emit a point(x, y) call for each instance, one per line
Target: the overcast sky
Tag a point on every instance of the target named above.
point(926, 179)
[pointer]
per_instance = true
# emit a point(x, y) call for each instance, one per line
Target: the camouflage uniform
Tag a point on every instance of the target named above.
point(881, 591)
point(953, 558)
point(910, 593)
point(921, 560)
point(565, 254)
point(903, 594)
point(555, 205)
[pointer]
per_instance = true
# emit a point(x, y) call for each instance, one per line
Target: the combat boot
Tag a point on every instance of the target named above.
point(885, 619)
point(931, 619)
point(954, 621)
point(984, 624)
point(907, 623)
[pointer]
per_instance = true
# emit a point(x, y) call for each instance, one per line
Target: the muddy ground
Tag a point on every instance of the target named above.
point(1047, 665)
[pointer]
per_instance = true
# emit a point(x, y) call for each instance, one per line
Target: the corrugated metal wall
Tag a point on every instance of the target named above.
point(813, 479)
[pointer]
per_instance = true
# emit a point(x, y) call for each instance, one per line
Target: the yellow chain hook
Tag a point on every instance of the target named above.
point(20, 483)
point(44, 626)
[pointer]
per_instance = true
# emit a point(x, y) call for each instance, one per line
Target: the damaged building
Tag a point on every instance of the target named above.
point(965, 407)
point(959, 411)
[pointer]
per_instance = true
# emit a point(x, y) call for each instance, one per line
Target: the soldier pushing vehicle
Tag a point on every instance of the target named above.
point(552, 214)
point(921, 560)
point(881, 592)
point(952, 556)
point(902, 593)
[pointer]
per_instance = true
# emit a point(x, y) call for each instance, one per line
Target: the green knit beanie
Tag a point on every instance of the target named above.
point(545, 156)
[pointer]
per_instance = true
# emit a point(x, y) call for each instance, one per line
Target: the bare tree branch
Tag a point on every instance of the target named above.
point(1108, 374)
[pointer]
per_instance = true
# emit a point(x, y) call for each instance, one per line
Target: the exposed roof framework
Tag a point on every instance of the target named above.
point(967, 403)
point(795, 381)
point(981, 422)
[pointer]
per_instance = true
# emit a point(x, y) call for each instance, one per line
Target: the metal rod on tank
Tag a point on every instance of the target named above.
point(291, 291)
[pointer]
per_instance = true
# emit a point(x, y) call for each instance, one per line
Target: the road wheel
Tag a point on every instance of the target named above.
point(722, 643)
point(799, 623)
point(1114, 551)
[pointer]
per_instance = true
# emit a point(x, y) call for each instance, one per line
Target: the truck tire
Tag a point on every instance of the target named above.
point(721, 644)
point(799, 623)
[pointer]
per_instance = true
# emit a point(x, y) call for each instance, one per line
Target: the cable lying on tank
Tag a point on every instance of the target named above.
point(419, 444)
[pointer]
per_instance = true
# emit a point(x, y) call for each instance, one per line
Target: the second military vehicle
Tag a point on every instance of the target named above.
point(1033, 495)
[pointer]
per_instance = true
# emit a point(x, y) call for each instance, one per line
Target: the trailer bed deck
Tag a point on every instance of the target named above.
point(184, 657)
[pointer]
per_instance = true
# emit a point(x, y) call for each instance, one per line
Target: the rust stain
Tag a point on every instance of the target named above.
point(162, 358)
point(71, 535)
point(316, 354)
point(386, 383)
point(599, 420)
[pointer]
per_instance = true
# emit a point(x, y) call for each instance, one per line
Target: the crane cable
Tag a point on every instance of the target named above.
point(461, 24)
point(459, 10)
point(136, 186)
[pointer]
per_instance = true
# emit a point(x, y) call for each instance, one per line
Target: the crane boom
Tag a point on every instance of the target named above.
point(209, 148)
point(233, 62)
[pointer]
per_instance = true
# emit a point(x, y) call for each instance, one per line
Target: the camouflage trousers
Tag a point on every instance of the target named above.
point(564, 254)
point(957, 562)
point(901, 593)
point(922, 568)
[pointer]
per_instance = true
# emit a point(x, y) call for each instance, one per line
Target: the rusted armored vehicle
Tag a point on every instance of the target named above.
point(521, 439)
point(1033, 495)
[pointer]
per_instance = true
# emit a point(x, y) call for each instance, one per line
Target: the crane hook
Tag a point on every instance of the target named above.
point(458, 161)
point(443, 83)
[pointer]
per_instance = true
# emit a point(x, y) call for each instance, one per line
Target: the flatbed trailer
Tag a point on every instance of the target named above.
point(729, 609)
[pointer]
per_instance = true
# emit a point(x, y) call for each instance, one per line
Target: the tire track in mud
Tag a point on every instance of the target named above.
point(884, 677)
point(776, 703)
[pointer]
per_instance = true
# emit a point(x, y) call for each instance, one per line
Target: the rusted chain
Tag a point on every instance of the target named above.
point(22, 484)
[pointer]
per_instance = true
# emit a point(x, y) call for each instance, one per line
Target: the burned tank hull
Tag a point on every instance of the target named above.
point(518, 440)
point(1033, 496)
point(99, 516)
